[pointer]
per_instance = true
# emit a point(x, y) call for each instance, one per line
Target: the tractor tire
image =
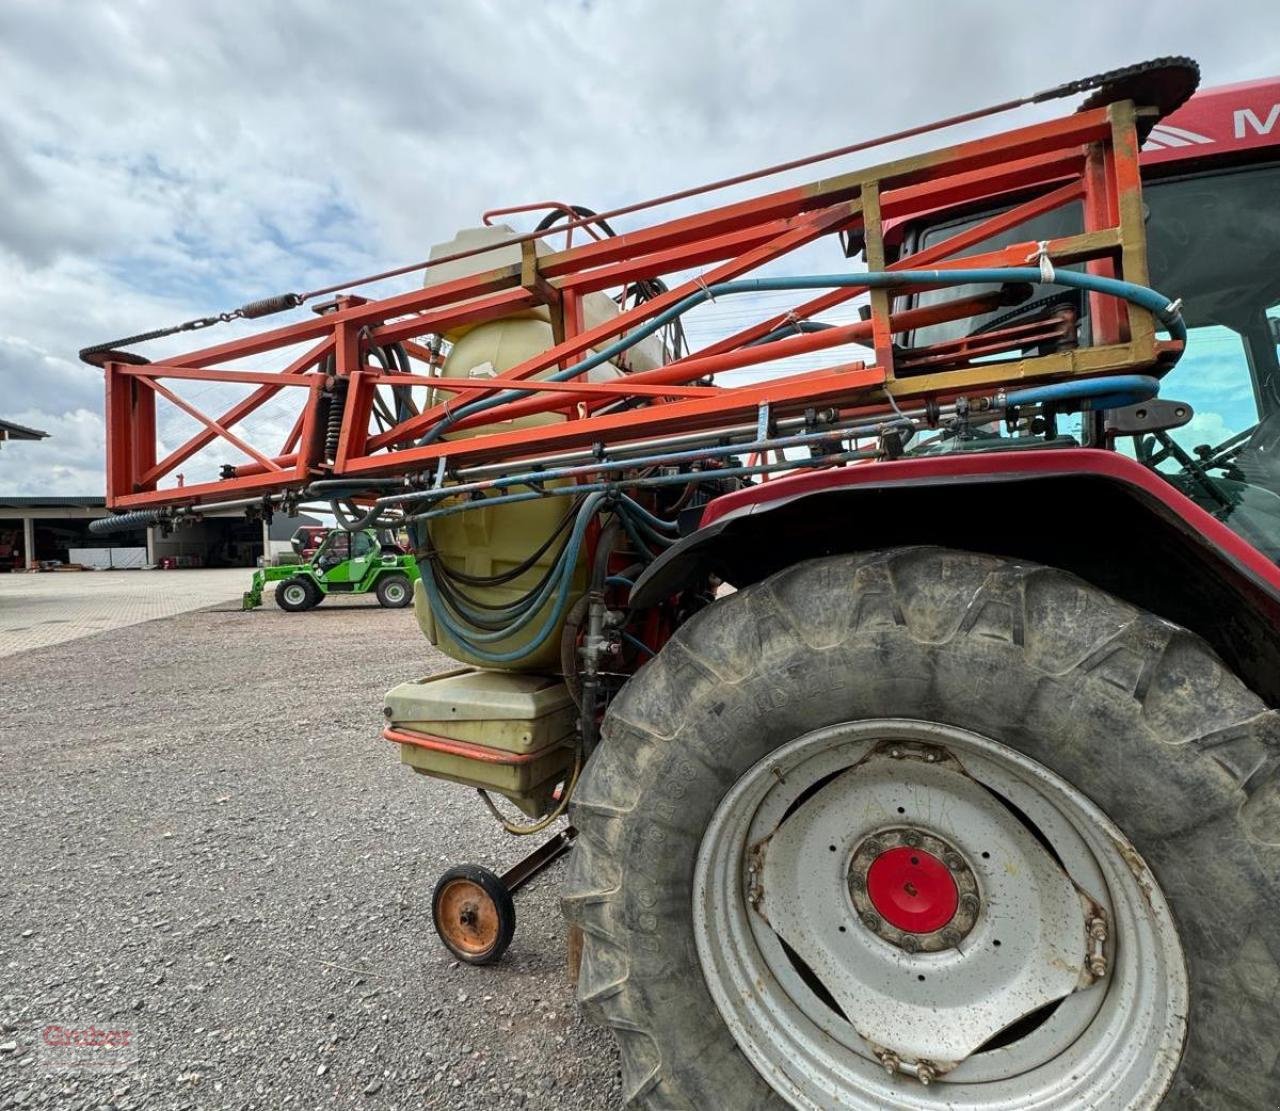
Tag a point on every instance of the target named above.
point(297, 594)
point(870, 688)
point(394, 591)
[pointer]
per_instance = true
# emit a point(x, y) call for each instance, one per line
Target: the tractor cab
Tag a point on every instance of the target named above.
point(1211, 183)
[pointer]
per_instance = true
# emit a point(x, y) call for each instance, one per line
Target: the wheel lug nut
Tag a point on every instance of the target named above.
point(925, 1074)
point(969, 901)
point(953, 861)
point(951, 938)
point(1098, 966)
point(872, 847)
point(911, 839)
point(871, 921)
point(909, 943)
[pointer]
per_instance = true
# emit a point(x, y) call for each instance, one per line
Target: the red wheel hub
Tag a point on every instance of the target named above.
point(912, 890)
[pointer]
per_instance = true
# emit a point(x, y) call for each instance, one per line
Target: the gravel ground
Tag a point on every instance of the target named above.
point(206, 842)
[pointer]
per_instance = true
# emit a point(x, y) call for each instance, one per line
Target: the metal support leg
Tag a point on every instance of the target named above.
point(539, 860)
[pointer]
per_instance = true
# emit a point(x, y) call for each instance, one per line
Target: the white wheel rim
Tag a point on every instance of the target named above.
point(295, 595)
point(394, 592)
point(780, 924)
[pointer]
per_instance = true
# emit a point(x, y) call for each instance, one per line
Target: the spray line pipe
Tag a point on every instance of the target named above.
point(1098, 393)
point(1109, 392)
point(1166, 310)
point(680, 479)
point(538, 477)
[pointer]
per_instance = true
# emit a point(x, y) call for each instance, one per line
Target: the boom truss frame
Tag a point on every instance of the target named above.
point(1088, 158)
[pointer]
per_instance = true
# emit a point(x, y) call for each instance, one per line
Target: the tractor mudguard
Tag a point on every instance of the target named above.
point(1098, 514)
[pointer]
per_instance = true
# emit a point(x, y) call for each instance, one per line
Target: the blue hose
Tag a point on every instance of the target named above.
point(1124, 389)
point(563, 578)
point(629, 504)
point(1165, 310)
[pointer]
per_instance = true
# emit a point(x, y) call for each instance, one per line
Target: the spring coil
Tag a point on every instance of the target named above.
point(333, 419)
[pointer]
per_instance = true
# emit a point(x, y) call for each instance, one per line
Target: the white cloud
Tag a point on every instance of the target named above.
point(161, 161)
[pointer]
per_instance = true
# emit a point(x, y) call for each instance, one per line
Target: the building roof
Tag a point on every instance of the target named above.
point(11, 501)
point(11, 431)
point(283, 527)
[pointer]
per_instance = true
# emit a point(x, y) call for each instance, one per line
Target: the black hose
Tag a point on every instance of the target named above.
point(124, 522)
point(522, 567)
point(552, 218)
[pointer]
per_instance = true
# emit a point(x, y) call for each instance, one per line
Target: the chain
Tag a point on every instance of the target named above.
point(251, 311)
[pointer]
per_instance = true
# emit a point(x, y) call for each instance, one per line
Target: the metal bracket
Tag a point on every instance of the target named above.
point(762, 422)
point(1157, 415)
point(539, 860)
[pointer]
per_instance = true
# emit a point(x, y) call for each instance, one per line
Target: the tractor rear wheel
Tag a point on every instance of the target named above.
point(927, 828)
point(297, 594)
point(394, 591)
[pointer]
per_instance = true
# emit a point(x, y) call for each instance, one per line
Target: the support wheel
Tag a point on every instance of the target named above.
point(297, 594)
point(925, 828)
point(473, 914)
point(394, 591)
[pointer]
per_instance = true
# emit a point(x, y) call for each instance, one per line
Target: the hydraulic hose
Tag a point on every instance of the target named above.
point(629, 505)
point(122, 522)
point(563, 580)
point(519, 569)
point(1127, 389)
point(1167, 311)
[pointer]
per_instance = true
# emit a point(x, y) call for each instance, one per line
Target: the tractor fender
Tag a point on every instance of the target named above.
point(1095, 513)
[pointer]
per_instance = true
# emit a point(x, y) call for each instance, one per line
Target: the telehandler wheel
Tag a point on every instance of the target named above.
point(394, 591)
point(473, 913)
point(297, 594)
point(926, 828)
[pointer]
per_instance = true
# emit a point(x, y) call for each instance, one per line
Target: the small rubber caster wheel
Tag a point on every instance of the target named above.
point(473, 914)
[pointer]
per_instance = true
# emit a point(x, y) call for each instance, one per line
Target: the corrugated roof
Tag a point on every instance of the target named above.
point(11, 431)
point(22, 502)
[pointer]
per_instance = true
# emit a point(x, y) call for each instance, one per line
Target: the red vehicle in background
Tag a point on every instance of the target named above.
point(307, 539)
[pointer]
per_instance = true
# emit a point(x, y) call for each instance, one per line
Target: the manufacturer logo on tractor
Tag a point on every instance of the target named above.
point(1246, 117)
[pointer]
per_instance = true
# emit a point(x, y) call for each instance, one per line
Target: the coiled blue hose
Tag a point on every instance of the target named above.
point(562, 580)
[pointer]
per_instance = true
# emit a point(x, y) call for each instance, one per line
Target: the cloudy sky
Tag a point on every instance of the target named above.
point(165, 160)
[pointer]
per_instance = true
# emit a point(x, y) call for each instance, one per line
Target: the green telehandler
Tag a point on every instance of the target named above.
point(345, 563)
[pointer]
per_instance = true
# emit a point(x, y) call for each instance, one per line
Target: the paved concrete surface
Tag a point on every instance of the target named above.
point(50, 608)
point(207, 844)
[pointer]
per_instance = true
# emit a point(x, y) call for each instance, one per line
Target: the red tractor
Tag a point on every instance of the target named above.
point(914, 702)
